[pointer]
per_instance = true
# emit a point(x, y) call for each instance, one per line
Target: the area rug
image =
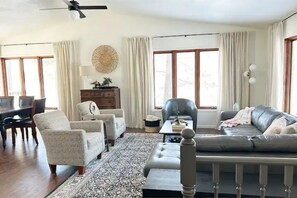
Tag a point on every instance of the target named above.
point(117, 174)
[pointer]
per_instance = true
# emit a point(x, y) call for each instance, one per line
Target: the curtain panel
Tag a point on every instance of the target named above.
point(274, 96)
point(233, 87)
point(140, 79)
point(66, 57)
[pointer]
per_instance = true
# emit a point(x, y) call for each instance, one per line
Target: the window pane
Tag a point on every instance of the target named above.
point(32, 84)
point(50, 82)
point(13, 74)
point(293, 105)
point(209, 65)
point(163, 78)
point(186, 75)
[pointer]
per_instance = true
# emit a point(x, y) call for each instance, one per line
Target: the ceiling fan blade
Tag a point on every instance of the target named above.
point(92, 7)
point(53, 8)
point(68, 3)
point(81, 15)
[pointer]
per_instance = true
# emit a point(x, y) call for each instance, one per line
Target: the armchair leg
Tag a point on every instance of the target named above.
point(99, 156)
point(111, 142)
point(122, 135)
point(53, 168)
point(81, 170)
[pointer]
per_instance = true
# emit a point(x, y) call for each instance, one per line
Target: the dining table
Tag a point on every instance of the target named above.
point(10, 112)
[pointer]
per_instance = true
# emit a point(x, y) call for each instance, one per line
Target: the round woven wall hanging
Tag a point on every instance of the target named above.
point(105, 59)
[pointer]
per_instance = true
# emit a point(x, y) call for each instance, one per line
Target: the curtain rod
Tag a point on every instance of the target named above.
point(186, 35)
point(289, 16)
point(15, 44)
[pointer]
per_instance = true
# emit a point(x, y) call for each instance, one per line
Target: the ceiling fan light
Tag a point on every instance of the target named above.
point(74, 14)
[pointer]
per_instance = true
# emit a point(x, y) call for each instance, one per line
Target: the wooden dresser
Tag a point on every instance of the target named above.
point(104, 98)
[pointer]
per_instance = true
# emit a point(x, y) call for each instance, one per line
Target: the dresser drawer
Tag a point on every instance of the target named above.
point(104, 98)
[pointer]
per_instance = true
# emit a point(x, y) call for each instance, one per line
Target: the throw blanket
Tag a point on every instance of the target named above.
point(242, 117)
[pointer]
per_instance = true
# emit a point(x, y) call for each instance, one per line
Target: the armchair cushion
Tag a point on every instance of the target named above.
point(52, 120)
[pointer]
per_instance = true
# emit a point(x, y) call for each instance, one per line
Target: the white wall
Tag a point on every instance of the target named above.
point(109, 28)
point(290, 26)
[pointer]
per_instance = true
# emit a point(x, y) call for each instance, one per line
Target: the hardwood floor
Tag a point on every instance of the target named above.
point(24, 170)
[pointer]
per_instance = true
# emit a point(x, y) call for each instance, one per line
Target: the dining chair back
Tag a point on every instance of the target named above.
point(37, 107)
point(6, 101)
point(25, 101)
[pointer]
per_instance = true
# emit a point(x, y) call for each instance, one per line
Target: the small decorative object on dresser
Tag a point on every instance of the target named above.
point(108, 98)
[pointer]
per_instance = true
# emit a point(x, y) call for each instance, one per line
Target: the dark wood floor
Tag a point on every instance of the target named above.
point(24, 171)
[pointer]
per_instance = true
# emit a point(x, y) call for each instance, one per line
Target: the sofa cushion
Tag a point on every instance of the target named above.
point(223, 143)
point(263, 120)
point(246, 130)
point(275, 143)
point(257, 112)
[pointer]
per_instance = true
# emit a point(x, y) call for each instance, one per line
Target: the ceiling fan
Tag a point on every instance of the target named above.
point(75, 8)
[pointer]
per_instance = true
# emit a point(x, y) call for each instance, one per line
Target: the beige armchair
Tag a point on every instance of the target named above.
point(70, 143)
point(114, 119)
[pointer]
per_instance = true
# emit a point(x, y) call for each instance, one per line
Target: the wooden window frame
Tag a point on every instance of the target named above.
point(22, 76)
point(288, 73)
point(174, 74)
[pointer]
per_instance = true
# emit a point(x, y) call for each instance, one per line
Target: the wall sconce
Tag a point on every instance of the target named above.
point(252, 80)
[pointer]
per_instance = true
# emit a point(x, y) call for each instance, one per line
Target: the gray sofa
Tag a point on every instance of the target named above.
point(242, 140)
point(262, 117)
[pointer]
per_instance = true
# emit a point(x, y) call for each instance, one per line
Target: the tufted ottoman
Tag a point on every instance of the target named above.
point(164, 156)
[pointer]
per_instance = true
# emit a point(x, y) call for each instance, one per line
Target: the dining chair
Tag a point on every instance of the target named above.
point(6, 101)
point(25, 101)
point(37, 107)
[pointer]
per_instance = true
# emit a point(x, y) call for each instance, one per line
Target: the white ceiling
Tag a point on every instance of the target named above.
point(15, 15)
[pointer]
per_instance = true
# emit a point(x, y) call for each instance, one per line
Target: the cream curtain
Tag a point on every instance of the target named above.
point(140, 78)
point(274, 95)
point(66, 57)
point(233, 87)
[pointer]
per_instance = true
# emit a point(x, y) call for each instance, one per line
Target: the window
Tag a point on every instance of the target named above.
point(290, 94)
point(31, 76)
point(191, 74)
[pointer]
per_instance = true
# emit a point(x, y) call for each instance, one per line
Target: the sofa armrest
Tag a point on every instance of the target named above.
point(88, 126)
point(226, 115)
point(116, 112)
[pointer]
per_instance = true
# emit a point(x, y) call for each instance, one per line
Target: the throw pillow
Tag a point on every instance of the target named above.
point(291, 129)
point(276, 126)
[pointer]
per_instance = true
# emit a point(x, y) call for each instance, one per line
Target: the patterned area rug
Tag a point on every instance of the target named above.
point(117, 174)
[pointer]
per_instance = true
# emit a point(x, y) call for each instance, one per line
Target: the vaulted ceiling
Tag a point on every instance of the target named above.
point(17, 15)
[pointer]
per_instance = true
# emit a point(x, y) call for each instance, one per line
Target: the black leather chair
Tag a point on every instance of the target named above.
point(182, 107)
